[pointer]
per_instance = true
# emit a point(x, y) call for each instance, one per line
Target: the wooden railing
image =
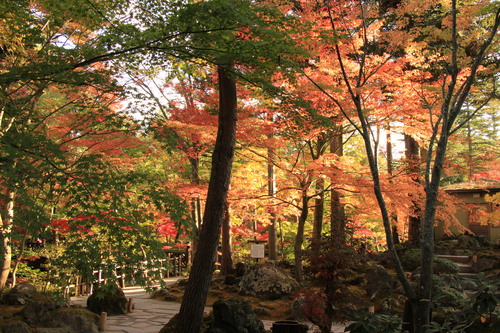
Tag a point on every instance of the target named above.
point(176, 262)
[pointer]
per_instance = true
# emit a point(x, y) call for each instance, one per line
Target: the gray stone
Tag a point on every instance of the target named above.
point(379, 282)
point(15, 326)
point(182, 282)
point(20, 294)
point(111, 300)
point(163, 295)
point(53, 330)
point(267, 282)
point(38, 312)
point(235, 316)
point(240, 269)
point(468, 242)
point(485, 264)
point(76, 320)
point(231, 280)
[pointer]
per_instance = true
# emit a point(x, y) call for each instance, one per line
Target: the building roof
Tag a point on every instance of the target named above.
point(475, 186)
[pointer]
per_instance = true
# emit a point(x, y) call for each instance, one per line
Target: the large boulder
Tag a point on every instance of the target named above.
point(39, 311)
point(267, 282)
point(111, 300)
point(468, 242)
point(77, 320)
point(234, 316)
point(20, 294)
point(163, 294)
point(15, 326)
point(485, 264)
point(379, 282)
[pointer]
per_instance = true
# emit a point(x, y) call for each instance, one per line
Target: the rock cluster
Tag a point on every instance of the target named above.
point(43, 315)
point(111, 300)
point(267, 282)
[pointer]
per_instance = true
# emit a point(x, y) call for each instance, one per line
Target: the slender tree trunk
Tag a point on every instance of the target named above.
point(271, 187)
point(19, 255)
point(470, 153)
point(388, 145)
point(393, 214)
point(319, 208)
point(319, 200)
point(195, 203)
point(414, 218)
point(227, 253)
point(193, 302)
point(299, 238)
point(5, 239)
point(337, 214)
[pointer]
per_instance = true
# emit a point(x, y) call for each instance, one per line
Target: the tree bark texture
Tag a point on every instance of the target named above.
point(227, 253)
point(6, 249)
point(414, 218)
point(319, 208)
point(299, 238)
point(193, 302)
point(337, 214)
point(271, 186)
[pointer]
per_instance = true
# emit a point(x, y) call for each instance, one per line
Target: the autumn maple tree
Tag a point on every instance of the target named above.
point(376, 58)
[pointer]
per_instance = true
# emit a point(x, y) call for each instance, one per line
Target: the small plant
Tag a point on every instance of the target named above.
point(366, 322)
point(480, 314)
point(445, 266)
point(446, 327)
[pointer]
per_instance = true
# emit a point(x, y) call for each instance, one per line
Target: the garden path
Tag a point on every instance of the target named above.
point(149, 315)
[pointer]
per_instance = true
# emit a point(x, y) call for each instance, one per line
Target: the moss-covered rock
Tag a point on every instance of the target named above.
point(267, 282)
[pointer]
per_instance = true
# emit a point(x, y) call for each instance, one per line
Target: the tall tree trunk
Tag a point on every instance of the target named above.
point(271, 187)
point(393, 214)
point(319, 200)
point(195, 204)
point(470, 152)
point(388, 145)
point(193, 302)
point(414, 218)
point(337, 214)
point(319, 208)
point(227, 253)
point(299, 237)
point(7, 221)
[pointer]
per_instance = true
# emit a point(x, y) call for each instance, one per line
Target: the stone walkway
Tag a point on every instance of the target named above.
point(150, 315)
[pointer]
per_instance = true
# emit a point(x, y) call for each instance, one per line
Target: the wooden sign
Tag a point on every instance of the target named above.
point(257, 251)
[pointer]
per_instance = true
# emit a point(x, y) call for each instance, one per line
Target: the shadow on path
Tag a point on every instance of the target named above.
point(150, 315)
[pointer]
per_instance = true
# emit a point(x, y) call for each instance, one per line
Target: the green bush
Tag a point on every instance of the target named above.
point(445, 266)
point(365, 322)
point(410, 259)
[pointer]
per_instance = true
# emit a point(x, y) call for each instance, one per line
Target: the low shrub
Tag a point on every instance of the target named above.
point(445, 266)
point(365, 322)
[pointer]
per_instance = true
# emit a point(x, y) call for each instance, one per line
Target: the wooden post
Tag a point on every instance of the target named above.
point(130, 306)
point(102, 321)
point(371, 309)
point(168, 265)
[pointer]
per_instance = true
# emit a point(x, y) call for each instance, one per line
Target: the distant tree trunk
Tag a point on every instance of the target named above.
point(414, 218)
point(227, 253)
point(7, 221)
point(393, 214)
point(299, 237)
point(470, 152)
point(193, 302)
point(271, 186)
point(388, 140)
point(337, 214)
point(195, 204)
point(319, 208)
point(319, 200)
